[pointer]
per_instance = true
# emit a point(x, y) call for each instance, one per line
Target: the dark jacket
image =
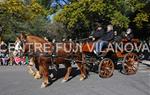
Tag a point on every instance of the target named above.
point(108, 36)
point(130, 36)
point(3, 46)
point(127, 36)
point(98, 34)
point(3, 50)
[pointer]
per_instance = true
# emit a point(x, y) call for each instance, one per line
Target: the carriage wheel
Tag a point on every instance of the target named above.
point(106, 68)
point(130, 64)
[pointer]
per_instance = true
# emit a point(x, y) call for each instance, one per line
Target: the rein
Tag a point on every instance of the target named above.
point(82, 40)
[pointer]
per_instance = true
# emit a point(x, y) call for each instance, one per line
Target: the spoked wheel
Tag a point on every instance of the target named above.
point(130, 64)
point(106, 68)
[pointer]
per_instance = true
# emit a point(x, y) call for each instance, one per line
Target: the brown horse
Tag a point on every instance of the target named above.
point(35, 48)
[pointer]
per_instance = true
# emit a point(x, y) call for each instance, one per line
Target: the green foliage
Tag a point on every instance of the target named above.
point(140, 18)
point(79, 16)
point(37, 26)
point(80, 13)
point(45, 3)
point(16, 16)
point(120, 20)
point(120, 13)
point(56, 31)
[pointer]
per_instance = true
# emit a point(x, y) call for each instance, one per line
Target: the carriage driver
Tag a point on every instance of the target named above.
point(98, 33)
point(96, 36)
point(104, 39)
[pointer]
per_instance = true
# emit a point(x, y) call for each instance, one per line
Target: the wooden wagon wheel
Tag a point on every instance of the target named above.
point(130, 64)
point(106, 68)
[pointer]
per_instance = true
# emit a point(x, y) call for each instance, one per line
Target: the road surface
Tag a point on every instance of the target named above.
point(14, 80)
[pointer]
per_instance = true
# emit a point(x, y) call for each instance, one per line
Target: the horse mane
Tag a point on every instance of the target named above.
point(37, 38)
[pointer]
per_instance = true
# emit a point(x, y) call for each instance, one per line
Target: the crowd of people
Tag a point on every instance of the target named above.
point(6, 57)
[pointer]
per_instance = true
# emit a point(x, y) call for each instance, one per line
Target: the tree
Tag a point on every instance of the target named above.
point(81, 15)
point(56, 31)
point(15, 15)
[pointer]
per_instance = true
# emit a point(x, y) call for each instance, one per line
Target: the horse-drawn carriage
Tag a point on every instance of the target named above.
point(104, 63)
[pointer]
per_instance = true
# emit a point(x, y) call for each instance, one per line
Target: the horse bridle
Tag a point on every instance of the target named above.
point(21, 44)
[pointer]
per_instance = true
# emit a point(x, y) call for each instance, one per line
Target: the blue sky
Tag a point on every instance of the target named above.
point(61, 2)
point(54, 4)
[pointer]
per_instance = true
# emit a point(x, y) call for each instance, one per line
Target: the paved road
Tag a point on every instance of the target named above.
point(14, 80)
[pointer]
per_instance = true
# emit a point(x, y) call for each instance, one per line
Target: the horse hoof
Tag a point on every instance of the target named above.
point(82, 78)
point(37, 77)
point(44, 85)
point(32, 73)
point(63, 81)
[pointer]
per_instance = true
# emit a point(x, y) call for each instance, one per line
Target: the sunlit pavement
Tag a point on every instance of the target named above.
point(14, 80)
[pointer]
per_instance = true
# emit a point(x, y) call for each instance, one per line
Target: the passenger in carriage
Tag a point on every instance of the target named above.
point(104, 40)
point(63, 40)
point(45, 38)
point(129, 35)
point(53, 41)
point(116, 37)
point(98, 33)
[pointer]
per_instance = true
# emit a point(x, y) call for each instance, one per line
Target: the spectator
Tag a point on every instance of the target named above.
point(11, 61)
point(20, 60)
point(11, 58)
point(5, 60)
point(3, 53)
